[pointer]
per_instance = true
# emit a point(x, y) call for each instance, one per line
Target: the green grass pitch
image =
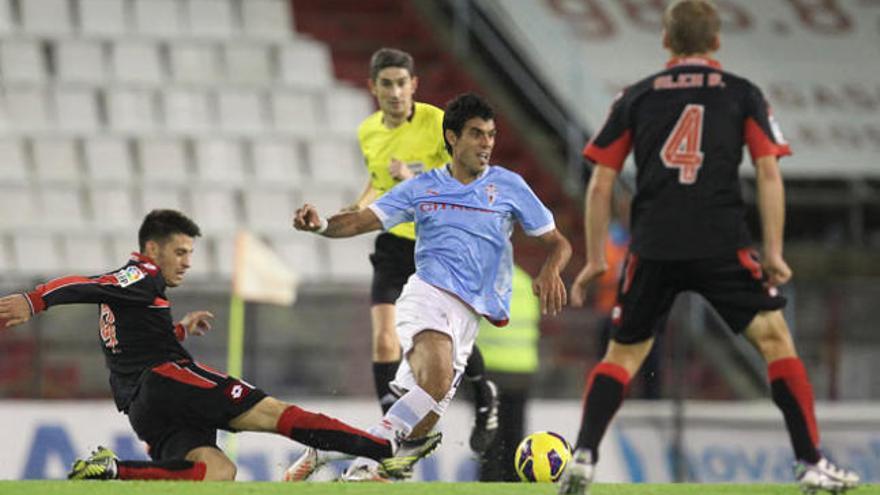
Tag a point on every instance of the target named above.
point(184, 488)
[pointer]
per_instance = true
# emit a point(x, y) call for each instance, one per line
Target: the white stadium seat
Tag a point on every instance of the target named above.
point(163, 160)
point(187, 111)
point(50, 17)
point(6, 21)
point(6, 262)
point(158, 17)
point(194, 62)
point(276, 161)
point(350, 258)
point(13, 167)
point(268, 210)
point(61, 207)
point(306, 64)
point(304, 254)
point(21, 61)
point(247, 63)
point(295, 112)
point(219, 160)
point(267, 19)
point(37, 254)
point(136, 62)
point(76, 110)
point(103, 17)
point(86, 254)
point(56, 160)
point(131, 110)
point(5, 123)
point(113, 208)
point(80, 61)
point(241, 111)
point(210, 18)
point(154, 197)
point(122, 244)
point(215, 210)
point(27, 109)
point(224, 255)
point(108, 160)
point(346, 108)
point(20, 199)
point(336, 162)
point(327, 198)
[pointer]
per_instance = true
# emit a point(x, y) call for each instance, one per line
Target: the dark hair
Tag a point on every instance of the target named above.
point(159, 225)
point(390, 57)
point(691, 26)
point(463, 108)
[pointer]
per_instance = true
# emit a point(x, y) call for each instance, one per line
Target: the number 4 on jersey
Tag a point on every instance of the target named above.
point(682, 147)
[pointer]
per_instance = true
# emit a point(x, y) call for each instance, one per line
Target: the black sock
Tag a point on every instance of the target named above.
point(475, 373)
point(383, 374)
point(604, 394)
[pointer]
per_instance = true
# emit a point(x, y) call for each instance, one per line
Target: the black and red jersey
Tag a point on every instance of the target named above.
point(134, 325)
point(687, 126)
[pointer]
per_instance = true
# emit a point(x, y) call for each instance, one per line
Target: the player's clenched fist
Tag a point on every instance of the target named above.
point(14, 310)
point(307, 218)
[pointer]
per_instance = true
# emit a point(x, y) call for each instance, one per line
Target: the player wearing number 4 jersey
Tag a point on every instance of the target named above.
point(687, 126)
point(175, 404)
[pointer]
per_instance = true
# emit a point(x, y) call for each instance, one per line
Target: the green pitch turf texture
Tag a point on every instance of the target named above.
point(244, 488)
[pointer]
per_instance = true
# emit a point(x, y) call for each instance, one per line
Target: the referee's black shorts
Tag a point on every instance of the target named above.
point(393, 262)
point(734, 285)
point(180, 405)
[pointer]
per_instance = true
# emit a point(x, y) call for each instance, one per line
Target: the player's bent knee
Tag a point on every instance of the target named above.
point(218, 467)
point(769, 333)
point(220, 471)
point(437, 385)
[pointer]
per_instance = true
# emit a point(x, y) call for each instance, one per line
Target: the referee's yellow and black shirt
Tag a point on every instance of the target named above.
point(417, 142)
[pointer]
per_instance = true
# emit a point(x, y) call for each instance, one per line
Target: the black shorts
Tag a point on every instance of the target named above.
point(393, 263)
point(734, 285)
point(180, 406)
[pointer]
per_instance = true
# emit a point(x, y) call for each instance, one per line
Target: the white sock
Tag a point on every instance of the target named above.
point(405, 414)
point(400, 420)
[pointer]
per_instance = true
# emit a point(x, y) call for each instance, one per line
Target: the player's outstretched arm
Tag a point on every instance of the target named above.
point(14, 310)
point(771, 206)
point(548, 285)
point(341, 225)
point(596, 217)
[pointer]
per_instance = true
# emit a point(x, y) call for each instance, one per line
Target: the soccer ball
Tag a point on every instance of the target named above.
point(542, 456)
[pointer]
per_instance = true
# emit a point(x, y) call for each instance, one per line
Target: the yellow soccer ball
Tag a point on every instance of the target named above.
point(542, 456)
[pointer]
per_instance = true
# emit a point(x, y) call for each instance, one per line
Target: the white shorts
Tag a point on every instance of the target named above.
point(421, 306)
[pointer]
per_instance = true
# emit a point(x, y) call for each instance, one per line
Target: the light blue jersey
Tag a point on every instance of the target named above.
point(463, 231)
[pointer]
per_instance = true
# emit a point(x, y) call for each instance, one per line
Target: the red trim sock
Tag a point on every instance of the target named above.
point(603, 395)
point(792, 393)
point(326, 433)
point(161, 470)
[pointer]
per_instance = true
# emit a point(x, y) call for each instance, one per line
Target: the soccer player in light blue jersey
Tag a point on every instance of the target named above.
point(464, 215)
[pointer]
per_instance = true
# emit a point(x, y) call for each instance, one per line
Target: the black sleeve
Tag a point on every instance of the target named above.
point(130, 285)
